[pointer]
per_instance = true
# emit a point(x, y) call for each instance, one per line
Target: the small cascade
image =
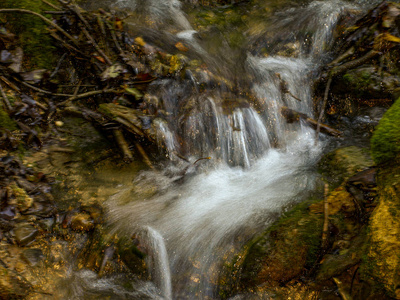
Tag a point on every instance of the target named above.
point(157, 261)
point(259, 163)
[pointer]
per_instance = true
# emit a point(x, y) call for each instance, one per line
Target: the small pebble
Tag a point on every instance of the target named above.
point(59, 123)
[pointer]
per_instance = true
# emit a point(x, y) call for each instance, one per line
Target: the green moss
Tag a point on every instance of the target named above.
point(31, 31)
point(292, 243)
point(385, 142)
point(6, 122)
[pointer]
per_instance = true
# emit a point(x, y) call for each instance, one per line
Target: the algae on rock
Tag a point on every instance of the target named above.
point(382, 261)
point(385, 142)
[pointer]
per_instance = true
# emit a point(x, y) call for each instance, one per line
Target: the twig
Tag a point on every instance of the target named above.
point(203, 158)
point(343, 293)
point(290, 94)
point(321, 113)
point(58, 66)
point(51, 5)
point(353, 64)
point(123, 145)
point(114, 37)
point(77, 88)
point(342, 57)
point(41, 90)
point(146, 158)
point(88, 94)
point(66, 45)
point(10, 84)
point(325, 231)
point(50, 12)
point(76, 9)
point(48, 21)
point(131, 127)
point(96, 46)
point(5, 99)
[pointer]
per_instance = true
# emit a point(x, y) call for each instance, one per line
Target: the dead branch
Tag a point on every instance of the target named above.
point(342, 57)
point(123, 145)
point(76, 10)
point(41, 90)
point(324, 103)
point(57, 68)
point(48, 21)
point(144, 155)
point(98, 49)
point(353, 64)
point(114, 37)
point(325, 230)
point(65, 44)
point(343, 293)
point(5, 99)
point(10, 84)
point(51, 5)
point(88, 94)
point(292, 116)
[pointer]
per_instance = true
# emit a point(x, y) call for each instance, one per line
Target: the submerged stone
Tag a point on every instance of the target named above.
point(25, 233)
point(33, 256)
point(82, 222)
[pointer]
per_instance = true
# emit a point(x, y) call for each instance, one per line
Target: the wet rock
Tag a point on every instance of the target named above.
point(131, 256)
point(25, 233)
point(339, 165)
point(33, 256)
point(285, 250)
point(82, 222)
point(8, 213)
point(363, 186)
point(21, 199)
point(339, 200)
point(383, 251)
point(336, 264)
point(47, 224)
point(368, 82)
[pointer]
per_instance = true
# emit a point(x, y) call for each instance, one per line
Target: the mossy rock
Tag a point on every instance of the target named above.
point(381, 261)
point(385, 142)
point(341, 164)
point(285, 250)
point(31, 31)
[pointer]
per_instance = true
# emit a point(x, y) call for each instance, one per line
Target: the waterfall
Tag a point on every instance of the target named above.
point(259, 163)
point(158, 261)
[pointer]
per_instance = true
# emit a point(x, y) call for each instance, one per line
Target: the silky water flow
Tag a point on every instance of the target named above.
point(258, 163)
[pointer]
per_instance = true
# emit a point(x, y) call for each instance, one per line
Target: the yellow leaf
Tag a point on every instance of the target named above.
point(139, 40)
point(391, 38)
point(181, 47)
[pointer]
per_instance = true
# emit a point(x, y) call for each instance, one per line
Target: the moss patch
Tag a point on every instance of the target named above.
point(31, 31)
point(385, 142)
point(5, 121)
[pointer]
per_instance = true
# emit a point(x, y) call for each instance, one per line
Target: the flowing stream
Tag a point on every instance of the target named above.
point(259, 164)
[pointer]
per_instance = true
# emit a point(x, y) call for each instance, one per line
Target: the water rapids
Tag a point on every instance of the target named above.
point(259, 164)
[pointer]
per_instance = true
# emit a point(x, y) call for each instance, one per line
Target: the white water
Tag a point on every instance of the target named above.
point(192, 226)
